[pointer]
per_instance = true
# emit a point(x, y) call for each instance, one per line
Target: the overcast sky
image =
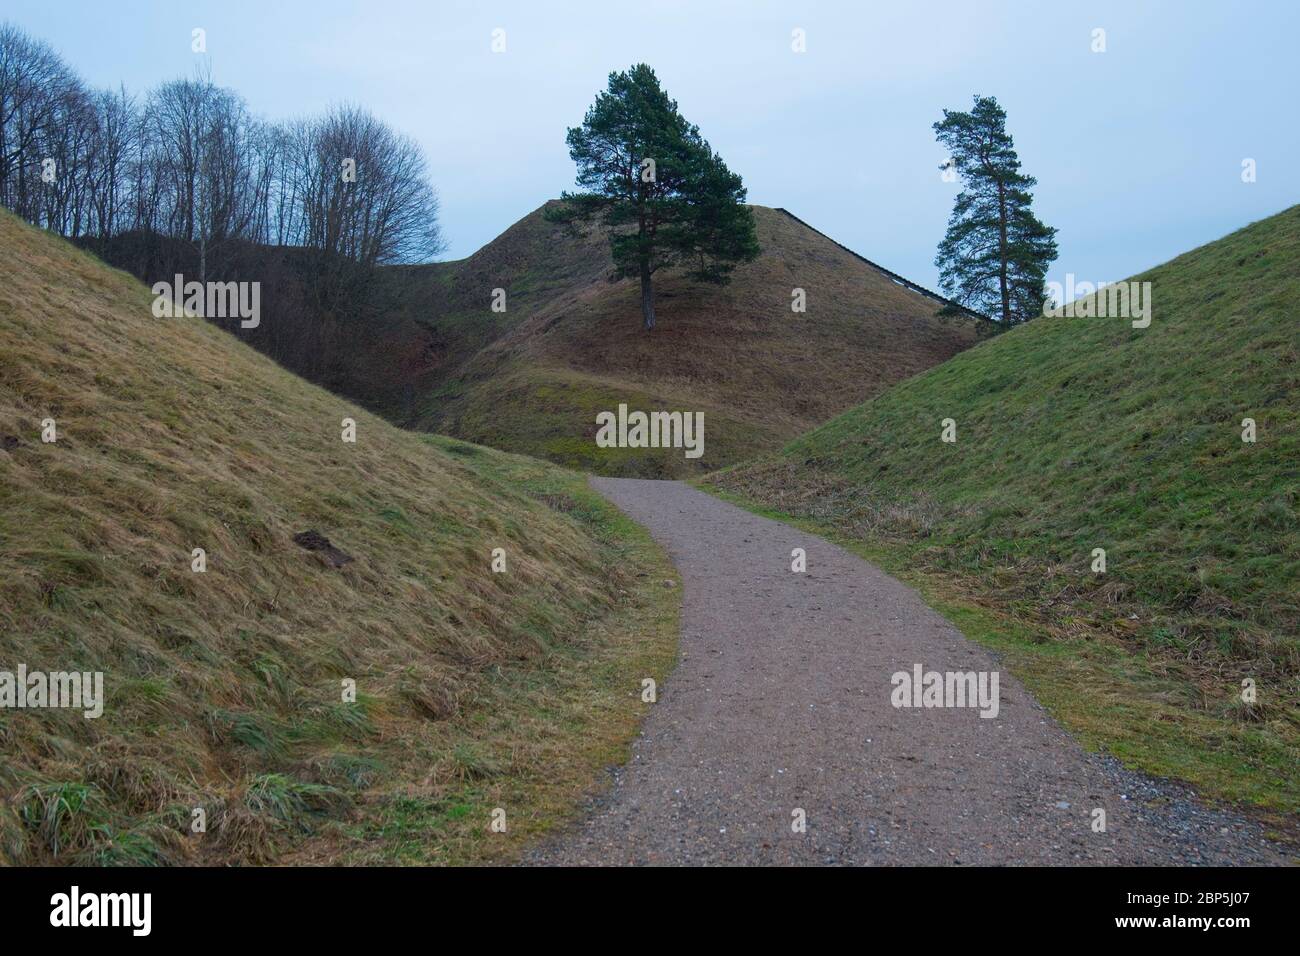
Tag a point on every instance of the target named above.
point(1138, 150)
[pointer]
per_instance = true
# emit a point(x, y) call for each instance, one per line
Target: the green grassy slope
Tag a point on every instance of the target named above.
point(224, 688)
point(1083, 433)
point(571, 344)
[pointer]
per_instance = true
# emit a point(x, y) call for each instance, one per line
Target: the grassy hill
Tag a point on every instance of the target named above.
point(475, 689)
point(1082, 433)
point(570, 344)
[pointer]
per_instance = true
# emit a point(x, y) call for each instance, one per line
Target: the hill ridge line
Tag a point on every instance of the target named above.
point(908, 283)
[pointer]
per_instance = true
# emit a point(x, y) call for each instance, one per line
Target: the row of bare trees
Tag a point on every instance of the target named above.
point(184, 179)
point(189, 162)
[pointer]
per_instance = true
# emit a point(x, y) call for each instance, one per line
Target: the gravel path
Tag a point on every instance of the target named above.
point(781, 701)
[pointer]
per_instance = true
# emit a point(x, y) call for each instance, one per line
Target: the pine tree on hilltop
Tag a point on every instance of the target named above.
point(995, 254)
point(658, 188)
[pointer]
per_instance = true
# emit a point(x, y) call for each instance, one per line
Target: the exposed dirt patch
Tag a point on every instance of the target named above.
point(317, 542)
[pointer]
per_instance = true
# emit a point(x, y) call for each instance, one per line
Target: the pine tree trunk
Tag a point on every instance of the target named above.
point(1002, 254)
point(647, 297)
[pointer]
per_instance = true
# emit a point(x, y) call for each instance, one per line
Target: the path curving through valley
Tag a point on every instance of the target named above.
point(780, 708)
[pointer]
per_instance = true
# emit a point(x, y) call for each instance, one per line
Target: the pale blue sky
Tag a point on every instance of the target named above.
point(1138, 150)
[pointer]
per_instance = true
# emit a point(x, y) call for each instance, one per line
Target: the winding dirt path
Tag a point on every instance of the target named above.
point(781, 702)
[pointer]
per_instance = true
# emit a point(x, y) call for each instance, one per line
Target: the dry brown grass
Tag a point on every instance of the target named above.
point(224, 688)
point(572, 341)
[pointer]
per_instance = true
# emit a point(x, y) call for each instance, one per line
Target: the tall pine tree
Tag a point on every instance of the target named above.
point(665, 197)
point(995, 255)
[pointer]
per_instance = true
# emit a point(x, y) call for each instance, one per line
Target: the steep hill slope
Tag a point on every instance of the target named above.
point(224, 689)
point(1074, 434)
point(570, 344)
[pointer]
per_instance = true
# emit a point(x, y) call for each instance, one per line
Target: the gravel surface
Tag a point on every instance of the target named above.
point(781, 701)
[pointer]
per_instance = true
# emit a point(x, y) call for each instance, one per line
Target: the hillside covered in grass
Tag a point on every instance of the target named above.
point(225, 688)
point(570, 344)
point(1075, 434)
